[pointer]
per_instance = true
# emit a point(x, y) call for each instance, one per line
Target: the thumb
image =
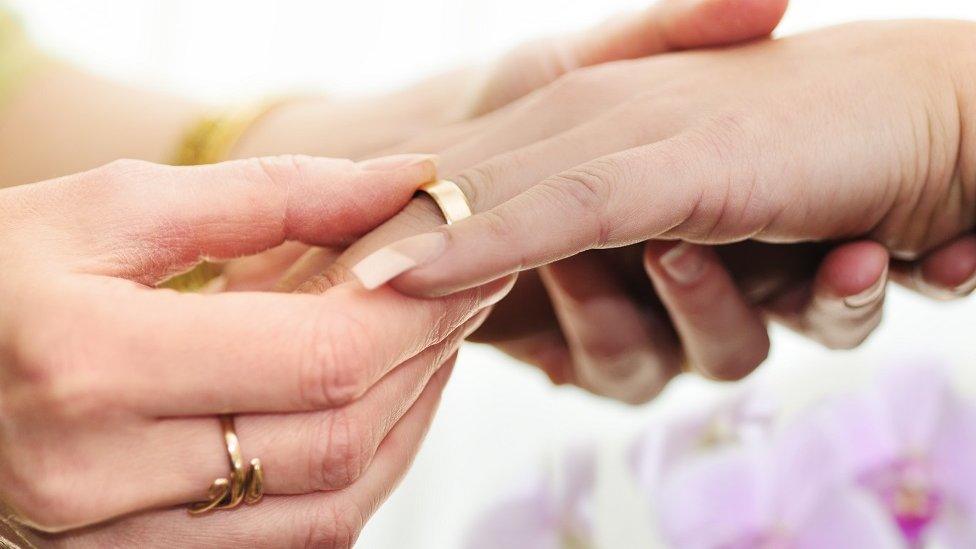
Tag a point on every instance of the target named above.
point(161, 220)
point(669, 25)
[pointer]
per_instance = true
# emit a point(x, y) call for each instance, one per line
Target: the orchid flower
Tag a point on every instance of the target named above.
point(788, 493)
point(745, 416)
point(910, 441)
point(552, 510)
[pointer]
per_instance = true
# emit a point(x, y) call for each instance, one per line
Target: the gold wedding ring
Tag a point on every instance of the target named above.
point(246, 486)
point(449, 198)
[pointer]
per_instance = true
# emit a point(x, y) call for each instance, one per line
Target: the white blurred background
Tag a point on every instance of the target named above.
point(498, 419)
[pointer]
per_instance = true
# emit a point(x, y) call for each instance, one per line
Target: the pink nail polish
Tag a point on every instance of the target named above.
point(392, 261)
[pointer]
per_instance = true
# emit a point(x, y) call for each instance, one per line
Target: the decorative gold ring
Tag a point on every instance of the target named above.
point(449, 198)
point(246, 486)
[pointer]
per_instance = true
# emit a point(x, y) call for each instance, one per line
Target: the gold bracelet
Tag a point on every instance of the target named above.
point(210, 140)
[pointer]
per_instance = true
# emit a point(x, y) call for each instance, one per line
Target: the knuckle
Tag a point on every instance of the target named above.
point(579, 85)
point(335, 524)
point(114, 180)
point(499, 228)
point(52, 371)
point(331, 367)
point(733, 203)
point(126, 169)
point(475, 181)
point(585, 193)
point(280, 169)
point(341, 454)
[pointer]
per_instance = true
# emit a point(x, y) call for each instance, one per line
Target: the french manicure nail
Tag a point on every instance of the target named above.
point(397, 162)
point(684, 263)
point(392, 261)
point(870, 295)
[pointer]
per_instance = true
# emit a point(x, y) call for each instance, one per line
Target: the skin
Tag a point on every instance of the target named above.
point(71, 387)
point(336, 515)
point(594, 177)
point(96, 359)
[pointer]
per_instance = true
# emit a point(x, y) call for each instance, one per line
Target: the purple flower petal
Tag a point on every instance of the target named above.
point(550, 511)
point(714, 501)
point(917, 400)
point(847, 519)
point(741, 418)
point(527, 521)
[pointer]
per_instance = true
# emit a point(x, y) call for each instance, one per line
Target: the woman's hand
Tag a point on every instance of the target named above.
point(93, 359)
point(526, 325)
point(779, 118)
point(799, 142)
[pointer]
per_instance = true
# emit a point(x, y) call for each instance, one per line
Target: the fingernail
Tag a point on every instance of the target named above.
point(397, 162)
point(966, 287)
point(392, 261)
point(869, 296)
point(684, 263)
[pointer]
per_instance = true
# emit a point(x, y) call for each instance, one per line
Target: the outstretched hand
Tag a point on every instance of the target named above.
point(717, 147)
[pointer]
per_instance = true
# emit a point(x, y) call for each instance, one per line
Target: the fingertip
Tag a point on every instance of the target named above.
point(679, 265)
point(390, 262)
point(720, 22)
point(854, 271)
point(951, 269)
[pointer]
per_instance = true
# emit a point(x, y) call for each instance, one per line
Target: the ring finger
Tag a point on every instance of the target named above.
point(173, 461)
point(325, 519)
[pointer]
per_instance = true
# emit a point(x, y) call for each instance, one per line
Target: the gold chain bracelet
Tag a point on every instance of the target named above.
point(210, 140)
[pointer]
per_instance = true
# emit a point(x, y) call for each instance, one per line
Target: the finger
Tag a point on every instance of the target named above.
point(722, 336)
point(845, 301)
point(174, 461)
point(164, 219)
point(525, 310)
point(547, 351)
point(712, 196)
point(313, 262)
point(668, 25)
point(948, 272)
point(328, 519)
point(619, 350)
point(243, 352)
point(262, 271)
point(490, 185)
point(665, 26)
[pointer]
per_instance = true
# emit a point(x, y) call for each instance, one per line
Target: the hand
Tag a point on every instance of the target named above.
point(93, 359)
point(669, 25)
point(702, 139)
point(526, 326)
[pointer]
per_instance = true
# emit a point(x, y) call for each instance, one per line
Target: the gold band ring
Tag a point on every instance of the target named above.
point(449, 198)
point(246, 486)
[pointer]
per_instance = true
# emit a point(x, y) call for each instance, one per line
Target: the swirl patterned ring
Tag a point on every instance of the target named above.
point(245, 486)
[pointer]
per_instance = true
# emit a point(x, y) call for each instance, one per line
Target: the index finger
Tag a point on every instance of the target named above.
point(167, 354)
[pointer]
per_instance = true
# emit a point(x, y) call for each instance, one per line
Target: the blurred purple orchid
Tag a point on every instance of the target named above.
point(893, 466)
point(743, 417)
point(786, 494)
point(910, 441)
point(552, 510)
